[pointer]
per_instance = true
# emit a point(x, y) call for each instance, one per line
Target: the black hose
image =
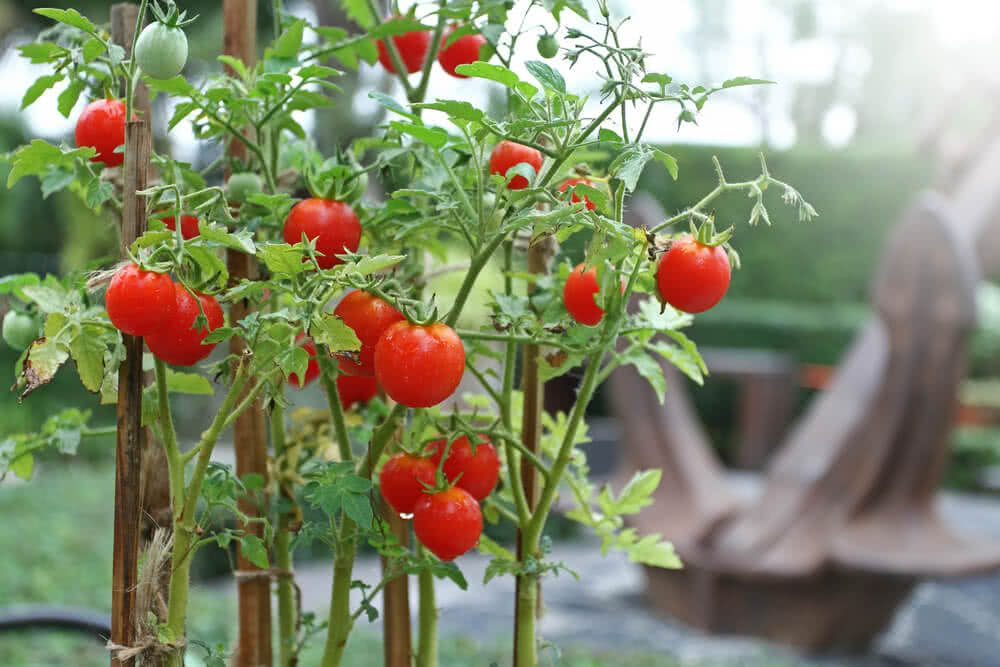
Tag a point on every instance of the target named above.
point(83, 621)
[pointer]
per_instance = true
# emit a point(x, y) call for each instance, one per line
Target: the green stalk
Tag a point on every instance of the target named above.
point(341, 622)
point(283, 553)
point(427, 619)
point(525, 610)
point(476, 266)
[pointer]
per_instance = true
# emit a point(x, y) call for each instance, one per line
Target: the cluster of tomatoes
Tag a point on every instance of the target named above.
point(414, 46)
point(447, 518)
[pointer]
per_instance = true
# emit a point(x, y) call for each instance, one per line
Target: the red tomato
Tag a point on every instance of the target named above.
point(412, 47)
point(691, 276)
point(369, 316)
point(189, 225)
point(479, 472)
point(355, 389)
point(333, 224)
point(574, 181)
point(140, 302)
point(462, 51)
point(419, 365)
point(102, 126)
point(578, 295)
point(177, 342)
point(403, 478)
point(448, 523)
point(312, 370)
point(506, 154)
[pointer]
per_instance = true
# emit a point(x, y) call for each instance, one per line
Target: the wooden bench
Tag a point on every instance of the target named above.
point(845, 524)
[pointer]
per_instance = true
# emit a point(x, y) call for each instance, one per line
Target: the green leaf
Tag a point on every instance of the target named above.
point(68, 97)
point(371, 264)
point(360, 12)
point(663, 80)
point(15, 283)
point(547, 76)
point(288, 45)
point(40, 156)
point(651, 550)
point(188, 383)
point(254, 550)
point(48, 299)
point(391, 104)
point(177, 86)
point(744, 81)
point(629, 164)
point(69, 17)
point(281, 258)
point(667, 161)
point(87, 350)
point(236, 65)
point(330, 330)
point(219, 335)
point(609, 135)
point(241, 240)
point(45, 358)
point(93, 48)
point(455, 109)
point(650, 369)
point(435, 137)
point(685, 356)
point(36, 89)
point(23, 466)
point(638, 492)
point(498, 73)
point(42, 52)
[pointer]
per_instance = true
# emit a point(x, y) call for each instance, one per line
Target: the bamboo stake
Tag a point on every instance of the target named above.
point(396, 638)
point(250, 429)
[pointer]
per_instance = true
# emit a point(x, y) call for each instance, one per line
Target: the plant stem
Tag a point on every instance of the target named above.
point(328, 375)
point(427, 645)
point(282, 550)
point(475, 267)
point(525, 610)
point(340, 620)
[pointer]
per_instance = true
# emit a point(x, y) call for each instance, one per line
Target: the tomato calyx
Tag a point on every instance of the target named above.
point(172, 17)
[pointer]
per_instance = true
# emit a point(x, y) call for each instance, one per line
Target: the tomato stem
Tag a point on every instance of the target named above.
point(427, 619)
point(282, 548)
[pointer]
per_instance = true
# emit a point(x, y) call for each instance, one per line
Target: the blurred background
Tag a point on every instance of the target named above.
point(875, 100)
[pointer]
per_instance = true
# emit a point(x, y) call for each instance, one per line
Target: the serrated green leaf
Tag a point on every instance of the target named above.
point(360, 12)
point(88, 353)
point(288, 45)
point(651, 550)
point(23, 466)
point(498, 73)
point(236, 65)
point(39, 157)
point(331, 331)
point(93, 48)
point(744, 81)
point(241, 240)
point(372, 264)
point(254, 550)
point(188, 383)
point(434, 137)
point(455, 109)
point(48, 299)
point(638, 492)
point(36, 89)
point(68, 97)
point(42, 52)
point(668, 161)
point(69, 17)
point(177, 86)
point(547, 76)
point(16, 282)
point(281, 258)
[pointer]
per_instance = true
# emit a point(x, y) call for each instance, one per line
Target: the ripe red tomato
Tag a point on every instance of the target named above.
point(102, 126)
point(177, 342)
point(402, 480)
point(462, 51)
point(506, 154)
point(369, 316)
point(419, 365)
point(189, 225)
point(566, 185)
point(692, 276)
point(355, 389)
point(312, 369)
point(333, 224)
point(140, 302)
point(578, 295)
point(412, 47)
point(448, 522)
point(479, 472)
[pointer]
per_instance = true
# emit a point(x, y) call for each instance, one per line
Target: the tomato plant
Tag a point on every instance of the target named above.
point(475, 471)
point(461, 51)
point(465, 190)
point(369, 317)
point(333, 225)
point(140, 302)
point(19, 329)
point(693, 276)
point(179, 341)
point(507, 154)
point(404, 480)
point(101, 126)
point(448, 522)
point(417, 365)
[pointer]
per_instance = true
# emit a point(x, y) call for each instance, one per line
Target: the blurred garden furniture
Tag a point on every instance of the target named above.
point(846, 522)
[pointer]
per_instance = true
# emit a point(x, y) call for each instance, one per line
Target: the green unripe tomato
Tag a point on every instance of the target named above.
point(241, 186)
point(548, 46)
point(19, 330)
point(161, 50)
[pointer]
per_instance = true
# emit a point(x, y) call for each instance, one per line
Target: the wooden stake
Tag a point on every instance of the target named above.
point(396, 639)
point(129, 442)
point(250, 429)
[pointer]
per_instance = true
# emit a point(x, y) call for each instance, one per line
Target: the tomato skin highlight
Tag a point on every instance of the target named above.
point(402, 479)
point(419, 365)
point(412, 47)
point(462, 51)
point(479, 472)
point(369, 316)
point(312, 369)
point(355, 389)
point(693, 277)
point(448, 523)
point(333, 224)
point(161, 50)
point(189, 226)
point(138, 302)
point(101, 126)
point(508, 153)
point(566, 185)
point(578, 295)
point(177, 342)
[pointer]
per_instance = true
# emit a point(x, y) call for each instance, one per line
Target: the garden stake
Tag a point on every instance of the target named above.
point(128, 446)
point(250, 429)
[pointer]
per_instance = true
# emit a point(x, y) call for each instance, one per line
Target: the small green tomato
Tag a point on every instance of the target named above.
point(161, 50)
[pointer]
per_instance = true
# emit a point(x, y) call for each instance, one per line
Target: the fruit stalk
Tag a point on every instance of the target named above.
point(427, 643)
point(282, 550)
